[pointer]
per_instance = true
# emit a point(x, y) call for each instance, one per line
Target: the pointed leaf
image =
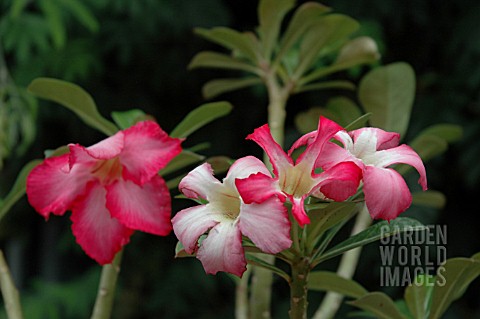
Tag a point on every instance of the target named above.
point(388, 93)
point(418, 295)
point(207, 59)
point(359, 123)
point(303, 18)
point(378, 304)
point(330, 281)
point(429, 198)
point(373, 233)
point(128, 118)
point(214, 88)
point(323, 219)
point(270, 16)
point(82, 13)
point(253, 260)
point(18, 188)
point(74, 98)
point(201, 116)
point(53, 15)
point(429, 146)
point(452, 280)
point(233, 40)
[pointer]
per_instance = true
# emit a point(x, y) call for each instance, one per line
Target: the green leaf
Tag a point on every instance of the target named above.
point(53, 15)
point(17, 7)
point(388, 93)
point(184, 159)
point(452, 280)
point(361, 50)
point(82, 14)
point(128, 118)
point(451, 133)
point(378, 304)
point(429, 146)
point(214, 88)
point(201, 116)
point(303, 18)
point(270, 16)
point(18, 188)
point(207, 59)
point(323, 219)
point(340, 84)
point(358, 123)
point(251, 259)
point(418, 296)
point(329, 30)
point(429, 198)
point(375, 232)
point(74, 98)
point(330, 281)
point(233, 40)
point(180, 251)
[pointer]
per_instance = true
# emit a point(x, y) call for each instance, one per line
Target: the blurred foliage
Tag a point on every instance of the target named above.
point(135, 53)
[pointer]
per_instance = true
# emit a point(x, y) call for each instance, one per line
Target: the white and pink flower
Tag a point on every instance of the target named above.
point(372, 149)
point(226, 217)
point(296, 181)
point(112, 188)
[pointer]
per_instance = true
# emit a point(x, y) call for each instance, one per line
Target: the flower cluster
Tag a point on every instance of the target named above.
point(250, 200)
point(112, 188)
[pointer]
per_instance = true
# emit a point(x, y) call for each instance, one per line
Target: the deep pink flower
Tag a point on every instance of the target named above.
point(112, 188)
point(372, 149)
point(226, 217)
point(296, 181)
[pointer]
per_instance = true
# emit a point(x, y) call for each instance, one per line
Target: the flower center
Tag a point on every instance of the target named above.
point(107, 171)
point(297, 180)
point(229, 204)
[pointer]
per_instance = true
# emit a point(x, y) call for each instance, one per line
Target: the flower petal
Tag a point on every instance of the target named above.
point(386, 193)
point(298, 210)
point(257, 188)
point(146, 208)
point(279, 159)
point(244, 167)
point(340, 182)
point(147, 149)
point(402, 154)
point(100, 235)
point(333, 154)
point(326, 130)
point(384, 140)
point(222, 250)
point(266, 224)
point(189, 224)
point(52, 186)
point(200, 183)
point(103, 150)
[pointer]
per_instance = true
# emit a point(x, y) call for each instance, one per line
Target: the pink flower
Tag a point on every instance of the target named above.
point(372, 149)
point(226, 217)
point(112, 188)
point(296, 181)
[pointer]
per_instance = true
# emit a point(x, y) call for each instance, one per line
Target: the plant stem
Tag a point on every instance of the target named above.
point(241, 295)
point(261, 286)
point(106, 289)
point(298, 288)
point(332, 301)
point(10, 295)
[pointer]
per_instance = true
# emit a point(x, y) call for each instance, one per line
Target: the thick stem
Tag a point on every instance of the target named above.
point(332, 301)
point(106, 289)
point(261, 286)
point(10, 295)
point(299, 289)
